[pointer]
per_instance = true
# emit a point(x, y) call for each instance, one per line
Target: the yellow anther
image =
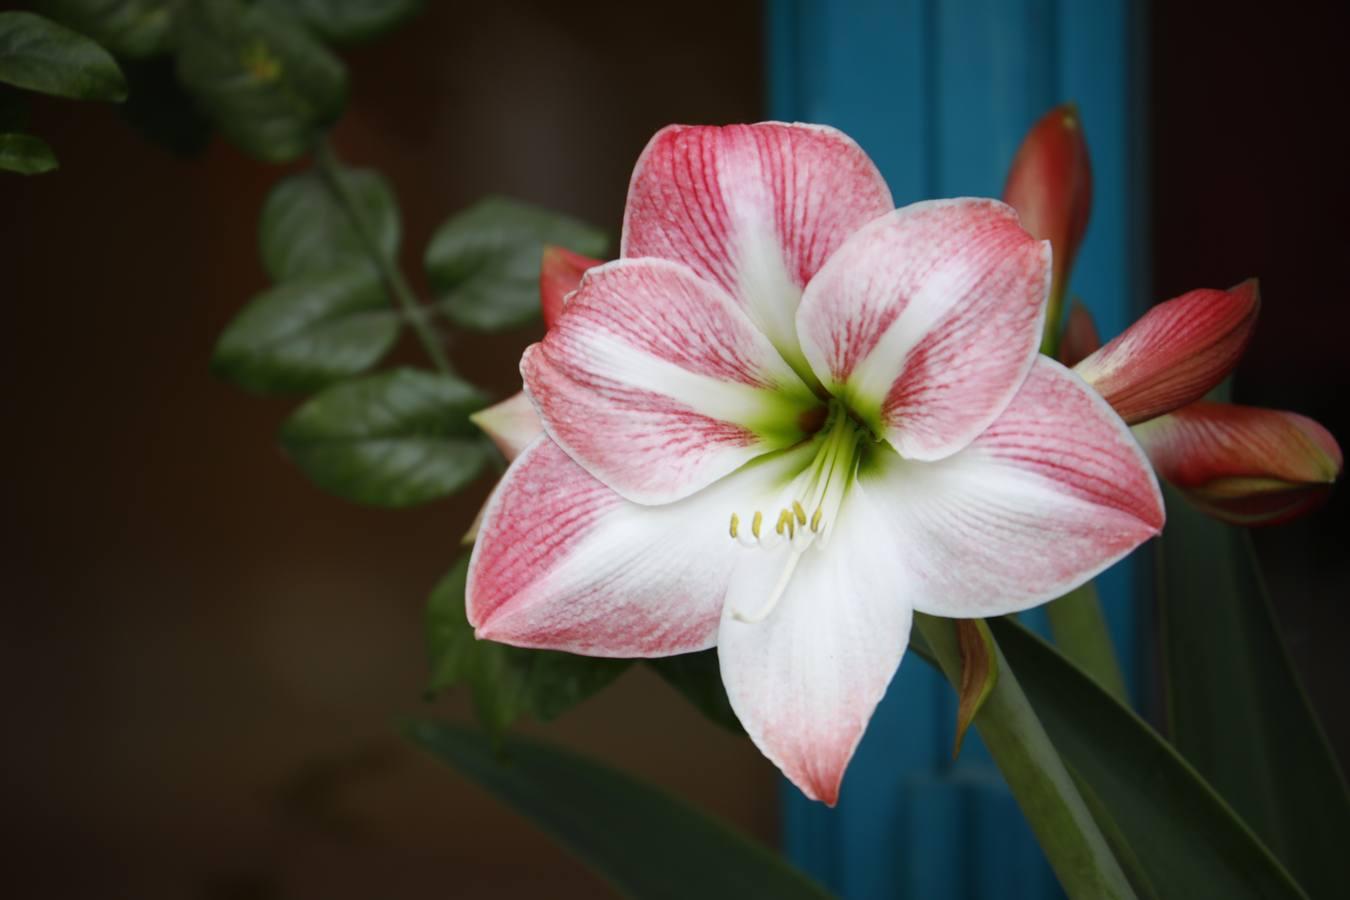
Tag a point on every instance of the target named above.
point(735, 524)
point(756, 523)
point(815, 519)
point(801, 513)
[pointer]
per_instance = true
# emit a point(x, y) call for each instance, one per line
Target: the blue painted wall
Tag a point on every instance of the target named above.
point(940, 93)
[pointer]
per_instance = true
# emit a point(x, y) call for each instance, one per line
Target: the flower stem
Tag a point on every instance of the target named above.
point(330, 169)
point(1059, 816)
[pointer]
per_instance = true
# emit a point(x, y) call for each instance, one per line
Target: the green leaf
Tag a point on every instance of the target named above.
point(162, 111)
point(305, 334)
point(643, 841)
point(269, 86)
point(698, 676)
point(1060, 818)
point(349, 21)
point(1236, 709)
point(40, 55)
point(306, 227)
point(129, 28)
point(395, 438)
point(1081, 633)
point(25, 154)
point(507, 682)
point(1183, 840)
point(484, 261)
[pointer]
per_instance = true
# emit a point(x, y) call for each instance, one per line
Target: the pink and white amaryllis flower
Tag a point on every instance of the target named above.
point(789, 416)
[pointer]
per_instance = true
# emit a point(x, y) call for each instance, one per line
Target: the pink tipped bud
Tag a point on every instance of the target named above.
point(1050, 186)
point(1243, 464)
point(559, 276)
point(1176, 353)
point(1080, 339)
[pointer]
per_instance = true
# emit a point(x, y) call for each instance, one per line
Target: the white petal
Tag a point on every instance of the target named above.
point(1052, 493)
point(805, 681)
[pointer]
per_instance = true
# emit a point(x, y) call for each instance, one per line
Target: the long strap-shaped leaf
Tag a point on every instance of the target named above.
point(1236, 709)
point(647, 844)
point(1174, 834)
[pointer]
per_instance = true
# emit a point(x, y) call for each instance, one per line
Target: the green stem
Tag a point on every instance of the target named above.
point(1079, 627)
point(327, 164)
point(1061, 820)
point(1054, 311)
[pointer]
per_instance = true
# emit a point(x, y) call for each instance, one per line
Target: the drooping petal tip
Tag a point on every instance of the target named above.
point(1175, 353)
point(559, 274)
point(1242, 464)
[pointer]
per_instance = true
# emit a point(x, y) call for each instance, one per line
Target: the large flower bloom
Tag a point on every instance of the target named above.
point(786, 418)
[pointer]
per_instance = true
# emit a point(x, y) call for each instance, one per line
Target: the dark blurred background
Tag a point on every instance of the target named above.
point(205, 655)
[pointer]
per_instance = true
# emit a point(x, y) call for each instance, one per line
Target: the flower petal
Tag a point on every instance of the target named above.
point(756, 209)
point(1243, 464)
point(512, 424)
point(657, 383)
point(927, 321)
point(559, 274)
point(1175, 353)
point(562, 562)
point(1051, 494)
point(805, 681)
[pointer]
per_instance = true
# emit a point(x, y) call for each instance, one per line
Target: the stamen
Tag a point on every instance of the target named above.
point(774, 597)
point(810, 504)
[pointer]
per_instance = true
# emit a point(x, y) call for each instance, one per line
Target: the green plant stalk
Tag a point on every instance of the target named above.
point(1054, 313)
point(327, 164)
point(1060, 818)
point(1079, 627)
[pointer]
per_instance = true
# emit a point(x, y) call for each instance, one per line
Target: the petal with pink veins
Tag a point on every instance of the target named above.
point(658, 383)
point(559, 274)
point(805, 680)
point(563, 562)
point(1176, 353)
point(927, 321)
point(756, 209)
point(1243, 464)
point(1052, 493)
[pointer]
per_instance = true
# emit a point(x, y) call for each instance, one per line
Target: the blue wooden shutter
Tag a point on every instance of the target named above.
point(940, 93)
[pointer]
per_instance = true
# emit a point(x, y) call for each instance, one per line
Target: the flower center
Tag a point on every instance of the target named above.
point(805, 512)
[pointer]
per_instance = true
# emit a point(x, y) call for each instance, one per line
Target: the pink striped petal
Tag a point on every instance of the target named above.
point(658, 384)
point(564, 563)
point(1242, 464)
point(559, 275)
point(1080, 339)
point(927, 321)
point(805, 681)
point(512, 424)
point(1175, 353)
point(1051, 494)
point(757, 209)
